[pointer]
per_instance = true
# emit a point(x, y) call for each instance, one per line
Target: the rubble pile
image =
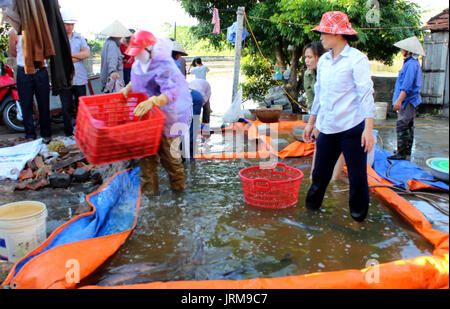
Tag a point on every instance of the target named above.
point(58, 165)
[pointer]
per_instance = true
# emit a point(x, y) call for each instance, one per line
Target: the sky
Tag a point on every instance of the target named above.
point(95, 15)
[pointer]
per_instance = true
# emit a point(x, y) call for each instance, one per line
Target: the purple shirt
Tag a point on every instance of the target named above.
point(164, 77)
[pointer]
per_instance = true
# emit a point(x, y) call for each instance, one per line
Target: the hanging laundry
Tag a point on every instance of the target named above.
point(232, 31)
point(216, 21)
point(61, 65)
point(37, 40)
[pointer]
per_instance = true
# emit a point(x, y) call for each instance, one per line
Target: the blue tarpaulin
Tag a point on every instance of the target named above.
point(115, 207)
point(400, 172)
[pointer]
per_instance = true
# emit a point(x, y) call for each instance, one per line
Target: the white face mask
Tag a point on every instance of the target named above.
point(144, 56)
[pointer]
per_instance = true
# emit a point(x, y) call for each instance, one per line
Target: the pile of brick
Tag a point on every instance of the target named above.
point(69, 167)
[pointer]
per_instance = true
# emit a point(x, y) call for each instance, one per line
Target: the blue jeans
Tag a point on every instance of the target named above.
point(28, 86)
point(329, 148)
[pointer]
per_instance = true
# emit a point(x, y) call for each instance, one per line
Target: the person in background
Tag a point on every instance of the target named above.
point(199, 69)
point(204, 88)
point(112, 59)
point(312, 53)
point(197, 104)
point(28, 86)
point(155, 73)
point(127, 60)
point(407, 97)
point(178, 53)
point(80, 51)
point(343, 112)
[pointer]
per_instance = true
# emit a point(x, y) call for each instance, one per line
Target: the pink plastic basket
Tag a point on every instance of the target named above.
point(275, 188)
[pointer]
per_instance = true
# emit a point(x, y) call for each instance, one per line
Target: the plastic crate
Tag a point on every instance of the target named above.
point(275, 188)
point(107, 130)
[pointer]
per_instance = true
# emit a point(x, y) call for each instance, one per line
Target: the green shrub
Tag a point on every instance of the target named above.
point(258, 77)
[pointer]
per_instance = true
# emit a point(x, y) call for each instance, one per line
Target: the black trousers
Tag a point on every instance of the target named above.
point(206, 117)
point(126, 75)
point(69, 101)
point(28, 86)
point(329, 148)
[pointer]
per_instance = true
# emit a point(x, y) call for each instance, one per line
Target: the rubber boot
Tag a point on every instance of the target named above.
point(170, 155)
point(403, 142)
point(148, 175)
point(410, 143)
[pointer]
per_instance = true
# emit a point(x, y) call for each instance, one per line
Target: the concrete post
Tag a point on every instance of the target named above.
point(238, 49)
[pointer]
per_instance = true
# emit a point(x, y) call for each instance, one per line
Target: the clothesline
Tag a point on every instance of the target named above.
point(312, 26)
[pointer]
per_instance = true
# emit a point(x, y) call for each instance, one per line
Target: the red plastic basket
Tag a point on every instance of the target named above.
point(276, 187)
point(107, 130)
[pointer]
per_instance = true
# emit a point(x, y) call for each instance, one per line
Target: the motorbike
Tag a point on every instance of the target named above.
point(9, 99)
point(10, 107)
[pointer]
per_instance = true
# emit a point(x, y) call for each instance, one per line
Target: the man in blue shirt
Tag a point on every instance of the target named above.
point(80, 51)
point(406, 97)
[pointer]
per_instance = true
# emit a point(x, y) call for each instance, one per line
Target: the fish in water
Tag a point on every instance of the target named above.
point(344, 230)
point(118, 279)
point(133, 273)
point(199, 252)
point(135, 268)
point(300, 225)
point(234, 272)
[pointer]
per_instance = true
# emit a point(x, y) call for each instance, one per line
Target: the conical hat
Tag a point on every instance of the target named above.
point(412, 45)
point(117, 30)
point(177, 48)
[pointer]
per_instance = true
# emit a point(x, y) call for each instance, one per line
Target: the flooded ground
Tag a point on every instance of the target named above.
point(209, 232)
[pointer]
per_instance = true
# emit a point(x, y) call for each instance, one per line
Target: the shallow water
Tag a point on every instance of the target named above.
point(208, 232)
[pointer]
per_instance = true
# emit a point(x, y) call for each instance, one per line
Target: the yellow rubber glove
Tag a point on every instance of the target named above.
point(126, 90)
point(144, 107)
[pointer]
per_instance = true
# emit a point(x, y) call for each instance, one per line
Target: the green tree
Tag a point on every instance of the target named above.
point(4, 37)
point(96, 47)
point(196, 44)
point(278, 24)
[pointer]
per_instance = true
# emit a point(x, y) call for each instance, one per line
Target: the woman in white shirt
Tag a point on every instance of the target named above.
point(342, 111)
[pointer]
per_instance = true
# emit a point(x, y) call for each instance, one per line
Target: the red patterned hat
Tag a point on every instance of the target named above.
point(335, 22)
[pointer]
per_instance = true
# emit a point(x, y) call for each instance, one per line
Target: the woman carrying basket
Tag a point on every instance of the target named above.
point(343, 111)
point(155, 73)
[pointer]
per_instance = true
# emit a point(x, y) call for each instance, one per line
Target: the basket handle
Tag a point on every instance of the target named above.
point(261, 180)
point(283, 166)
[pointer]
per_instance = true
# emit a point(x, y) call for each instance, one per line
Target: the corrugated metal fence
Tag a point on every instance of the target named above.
point(435, 89)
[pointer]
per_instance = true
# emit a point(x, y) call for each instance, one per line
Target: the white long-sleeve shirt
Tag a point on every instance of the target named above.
point(343, 91)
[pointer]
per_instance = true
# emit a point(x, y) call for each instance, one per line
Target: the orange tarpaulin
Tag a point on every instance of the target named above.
point(296, 149)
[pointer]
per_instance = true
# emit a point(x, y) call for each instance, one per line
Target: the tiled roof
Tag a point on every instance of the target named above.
point(438, 22)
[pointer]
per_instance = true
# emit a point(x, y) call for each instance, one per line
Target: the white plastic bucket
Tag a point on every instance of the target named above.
point(22, 229)
point(381, 110)
point(371, 155)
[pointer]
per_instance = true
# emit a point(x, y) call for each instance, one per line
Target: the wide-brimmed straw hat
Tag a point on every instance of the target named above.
point(117, 30)
point(335, 22)
point(412, 45)
point(178, 48)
